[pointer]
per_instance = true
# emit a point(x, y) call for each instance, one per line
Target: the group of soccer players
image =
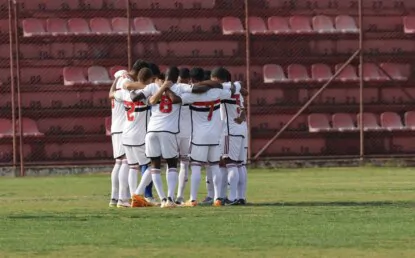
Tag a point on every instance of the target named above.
point(192, 117)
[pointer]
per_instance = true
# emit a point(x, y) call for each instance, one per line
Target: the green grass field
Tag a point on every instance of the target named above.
point(337, 212)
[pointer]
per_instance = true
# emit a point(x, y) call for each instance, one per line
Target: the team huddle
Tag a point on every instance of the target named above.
point(191, 117)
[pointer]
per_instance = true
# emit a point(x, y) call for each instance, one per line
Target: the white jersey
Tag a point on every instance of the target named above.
point(244, 124)
point(231, 109)
point(206, 122)
point(137, 116)
point(185, 125)
point(117, 106)
point(164, 115)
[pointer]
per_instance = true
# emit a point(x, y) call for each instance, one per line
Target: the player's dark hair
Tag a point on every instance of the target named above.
point(139, 64)
point(161, 76)
point(220, 73)
point(172, 74)
point(197, 74)
point(207, 74)
point(228, 76)
point(154, 69)
point(184, 73)
point(144, 75)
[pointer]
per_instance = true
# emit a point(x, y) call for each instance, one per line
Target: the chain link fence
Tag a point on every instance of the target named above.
point(302, 56)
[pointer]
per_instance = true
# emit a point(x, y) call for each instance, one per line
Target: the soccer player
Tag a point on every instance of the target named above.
point(117, 124)
point(183, 140)
point(135, 128)
point(161, 141)
point(206, 131)
point(241, 193)
point(123, 175)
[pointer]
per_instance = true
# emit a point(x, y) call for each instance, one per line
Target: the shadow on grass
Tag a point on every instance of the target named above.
point(336, 203)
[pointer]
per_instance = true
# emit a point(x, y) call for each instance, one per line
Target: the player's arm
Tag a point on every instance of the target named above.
point(242, 117)
point(113, 89)
point(137, 96)
point(154, 99)
point(173, 97)
point(133, 85)
point(204, 86)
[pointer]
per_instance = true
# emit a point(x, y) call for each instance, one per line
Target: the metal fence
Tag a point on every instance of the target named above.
point(310, 67)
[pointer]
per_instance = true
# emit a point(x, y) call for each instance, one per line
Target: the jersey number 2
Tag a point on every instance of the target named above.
point(166, 106)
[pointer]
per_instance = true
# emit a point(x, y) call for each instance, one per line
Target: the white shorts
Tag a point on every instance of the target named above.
point(136, 155)
point(184, 146)
point(234, 148)
point(245, 160)
point(117, 147)
point(161, 144)
point(205, 154)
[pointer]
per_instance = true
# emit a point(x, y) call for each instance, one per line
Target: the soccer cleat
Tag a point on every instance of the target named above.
point(207, 201)
point(169, 203)
point(138, 201)
point(180, 201)
point(113, 203)
point(190, 203)
point(230, 203)
point(163, 203)
point(123, 204)
point(218, 202)
point(152, 200)
point(242, 202)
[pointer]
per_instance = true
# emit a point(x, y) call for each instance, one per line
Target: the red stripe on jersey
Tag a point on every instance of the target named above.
point(210, 104)
point(137, 103)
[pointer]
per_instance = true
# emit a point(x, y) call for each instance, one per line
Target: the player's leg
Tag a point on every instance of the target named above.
point(124, 199)
point(138, 199)
point(170, 153)
point(209, 187)
point(232, 160)
point(214, 159)
point(133, 171)
point(184, 145)
point(143, 161)
point(198, 156)
point(115, 183)
point(243, 178)
point(223, 168)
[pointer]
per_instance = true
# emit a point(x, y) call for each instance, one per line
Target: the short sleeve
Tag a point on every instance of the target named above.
point(149, 90)
point(118, 95)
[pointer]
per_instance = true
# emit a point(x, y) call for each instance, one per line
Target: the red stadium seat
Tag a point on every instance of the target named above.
point(30, 128)
point(343, 122)
point(78, 151)
point(346, 24)
point(145, 26)
point(33, 27)
point(115, 69)
point(5, 128)
point(257, 25)
point(396, 71)
point(74, 76)
point(78, 26)
point(61, 50)
point(120, 25)
point(300, 24)
point(372, 73)
point(321, 72)
point(232, 25)
point(409, 24)
point(318, 123)
point(391, 121)
point(92, 4)
point(370, 122)
point(278, 25)
point(298, 73)
point(57, 27)
point(323, 24)
point(98, 75)
point(348, 73)
point(274, 73)
point(410, 120)
point(100, 26)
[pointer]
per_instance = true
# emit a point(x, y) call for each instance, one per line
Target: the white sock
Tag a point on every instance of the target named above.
point(224, 173)
point(114, 179)
point(184, 167)
point(209, 183)
point(217, 180)
point(242, 182)
point(195, 181)
point(172, 178)
point(144, 182)
point(233, 179)
point(123, 181)
point(132, 179)
point(158, 183)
